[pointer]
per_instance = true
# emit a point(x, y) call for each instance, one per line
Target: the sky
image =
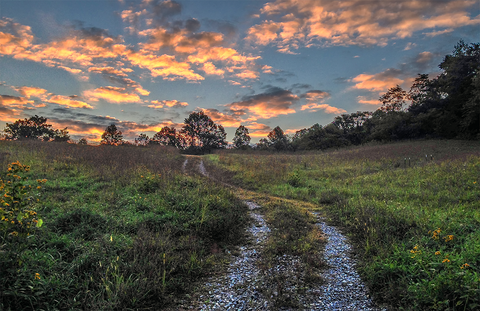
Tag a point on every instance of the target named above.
point(143, 65)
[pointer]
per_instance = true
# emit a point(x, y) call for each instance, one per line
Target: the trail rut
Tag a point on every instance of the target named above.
point(246, 287)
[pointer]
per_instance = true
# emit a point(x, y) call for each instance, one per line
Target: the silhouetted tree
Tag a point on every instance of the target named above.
point(33, 128)
point(242, 138)
point(394, 99)
point(112, 136)
point(61, 135)
point(82, 141)
point(202, 133)
point(278, 139)
point(167, 136)
point(142, 140)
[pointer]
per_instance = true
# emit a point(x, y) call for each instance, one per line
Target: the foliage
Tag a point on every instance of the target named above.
point(278, 140)
point(18, 216)
point(242, 138)
point(112, 136)
point(35, 127)
point(167, 136)
point(202, 133)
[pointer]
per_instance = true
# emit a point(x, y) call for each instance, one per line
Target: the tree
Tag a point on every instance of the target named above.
point(278, 139)
point(112, 136)
point(33, 128)
point(242, 138)
point(394, 99)
point(142, 140)
point(202, 133)
point(61, 135)
point(167, 136)
point(82, 141)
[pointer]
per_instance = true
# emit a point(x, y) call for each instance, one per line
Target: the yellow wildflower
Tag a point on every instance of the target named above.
point(445, 260)
point(465, 266)
point(37, 276)
point(437, 253)
point(448, 238)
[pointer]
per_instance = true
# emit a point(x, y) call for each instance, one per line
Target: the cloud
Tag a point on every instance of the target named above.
point(14, 37)
point(313, 107)
point(68, 101)
point(158, 104)
point(258, 129)
point(378, 82)
point(273, 102)
point(111, 94)
point(315, 96)
point(364, 100)
point(29, 91)
point(390, 77)
point(289, 24)
point(438, 33)
point(92, 126)
point(226, 120)
point(14, 101)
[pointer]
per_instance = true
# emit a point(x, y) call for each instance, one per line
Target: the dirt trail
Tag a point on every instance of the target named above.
point(244, 285)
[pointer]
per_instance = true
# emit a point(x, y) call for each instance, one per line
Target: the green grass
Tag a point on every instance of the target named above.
point(391, 208)
point(123, 229)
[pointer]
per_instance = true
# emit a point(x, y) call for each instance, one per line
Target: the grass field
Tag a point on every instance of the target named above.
point(122, 228)
point(414, 219)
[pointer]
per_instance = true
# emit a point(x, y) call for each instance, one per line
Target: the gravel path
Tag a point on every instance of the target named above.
point(239, 288)
point(244, 285)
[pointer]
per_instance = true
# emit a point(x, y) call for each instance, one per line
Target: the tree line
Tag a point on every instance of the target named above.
point(447, 106)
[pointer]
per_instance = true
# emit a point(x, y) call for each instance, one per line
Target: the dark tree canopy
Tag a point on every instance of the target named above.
point(35, 127)
point(112, 136)
point(242, 138)
point(278, 139)
point(202, 133)
point(167, 136)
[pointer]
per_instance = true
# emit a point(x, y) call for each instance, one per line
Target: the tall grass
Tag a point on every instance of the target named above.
point(413, 219)
point(123, 229)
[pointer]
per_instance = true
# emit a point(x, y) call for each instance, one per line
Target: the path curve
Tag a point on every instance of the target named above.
point(240, 288)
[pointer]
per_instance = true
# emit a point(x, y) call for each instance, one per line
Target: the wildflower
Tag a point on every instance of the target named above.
point(465, 266)
point(474, 182)
point(13, 222)
point(437, 253)
point(15, 233)
point(37, 276)
point(445, 260)
point(448, 238)
point(38, 187)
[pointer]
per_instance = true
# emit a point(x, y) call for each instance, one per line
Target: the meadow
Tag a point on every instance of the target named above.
point(412, 210)
point(107, 228)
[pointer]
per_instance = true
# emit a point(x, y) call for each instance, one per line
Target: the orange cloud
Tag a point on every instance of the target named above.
point(16, 38)
point(326, 108)
point(164, 66)
point(377, 82)
point(111, 94)
point(355, 22)
point(363, 100)
point(68, 101)
point(225, 120)
point(14, 101)
point(108, 70)
point(315, 95)
point(29, 91)
point(267, 105)
point(158, 104)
